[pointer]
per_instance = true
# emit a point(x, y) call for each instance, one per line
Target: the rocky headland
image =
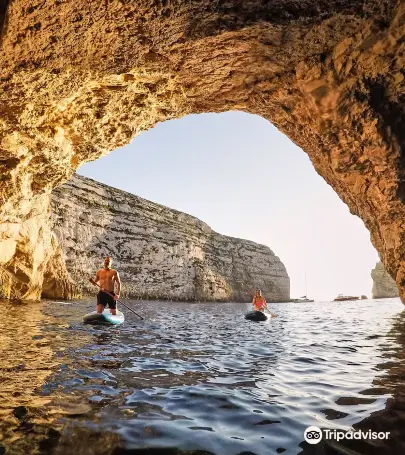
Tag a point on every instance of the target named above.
point(160, 253)
point(383, 284)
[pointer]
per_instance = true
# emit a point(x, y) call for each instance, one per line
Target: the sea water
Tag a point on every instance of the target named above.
point(200, 379)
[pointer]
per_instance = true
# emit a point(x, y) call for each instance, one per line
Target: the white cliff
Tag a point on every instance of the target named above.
point(160, 253)
point(383, 284)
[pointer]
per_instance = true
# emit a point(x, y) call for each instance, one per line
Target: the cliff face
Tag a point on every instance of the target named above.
point(81, 78)
point(383, 284)
point(160, 253)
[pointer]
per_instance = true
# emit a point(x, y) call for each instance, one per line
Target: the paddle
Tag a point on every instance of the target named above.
point(103, 290)
point(251, 293)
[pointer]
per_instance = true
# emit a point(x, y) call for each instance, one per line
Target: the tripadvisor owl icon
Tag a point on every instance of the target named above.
point(313, 435)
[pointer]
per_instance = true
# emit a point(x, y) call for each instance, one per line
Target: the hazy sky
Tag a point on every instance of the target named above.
point(244, 178)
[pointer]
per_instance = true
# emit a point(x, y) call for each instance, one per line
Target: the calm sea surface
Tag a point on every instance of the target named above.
point(199, 379)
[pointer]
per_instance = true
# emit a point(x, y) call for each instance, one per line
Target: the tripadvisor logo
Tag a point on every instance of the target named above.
point(313, 435)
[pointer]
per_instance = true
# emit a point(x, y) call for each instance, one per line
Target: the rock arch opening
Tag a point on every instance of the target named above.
point(78, 80)
point(245, 179)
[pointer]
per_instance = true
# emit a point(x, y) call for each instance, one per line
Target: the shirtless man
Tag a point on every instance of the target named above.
point(107, 277)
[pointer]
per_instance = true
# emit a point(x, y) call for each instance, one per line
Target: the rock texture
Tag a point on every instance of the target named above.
point(78, 79)
point(160, 253)
point(383, 284)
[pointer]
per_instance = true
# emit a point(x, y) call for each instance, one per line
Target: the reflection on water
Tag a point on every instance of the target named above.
point(391, 384)
point(200, 379)
point(27, 360)
point(30, 343)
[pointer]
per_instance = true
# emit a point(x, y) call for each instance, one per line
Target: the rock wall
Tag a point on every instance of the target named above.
point(383, 284)
point(27, 249)
point(81, 78)
point(160, 253)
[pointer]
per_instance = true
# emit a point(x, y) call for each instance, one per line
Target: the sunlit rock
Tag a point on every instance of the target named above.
point(79, 79)
point(160, 253)
point(383, 284)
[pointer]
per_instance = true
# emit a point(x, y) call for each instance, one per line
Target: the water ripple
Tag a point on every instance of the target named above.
point(196, 378)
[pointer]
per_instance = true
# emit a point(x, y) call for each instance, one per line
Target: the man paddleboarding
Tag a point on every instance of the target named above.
point(106, 278)
point(259, 302)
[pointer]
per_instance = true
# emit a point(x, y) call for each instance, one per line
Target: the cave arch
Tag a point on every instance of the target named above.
point(79, 80)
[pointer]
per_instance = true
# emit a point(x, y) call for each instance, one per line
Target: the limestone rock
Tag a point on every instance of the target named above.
point(81, 78)
point(160, 253)
point(26, 248)
point(383, 284)
point(57, 283)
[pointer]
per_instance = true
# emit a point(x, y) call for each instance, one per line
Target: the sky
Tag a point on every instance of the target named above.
point(244, 178)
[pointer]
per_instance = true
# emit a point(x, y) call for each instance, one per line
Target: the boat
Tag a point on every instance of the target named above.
point(257, 316)
point(303, 299)
point(104, 318)
point(343, 298)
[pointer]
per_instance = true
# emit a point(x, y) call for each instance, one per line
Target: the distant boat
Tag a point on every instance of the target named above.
point(342, 298)
point(303, 299)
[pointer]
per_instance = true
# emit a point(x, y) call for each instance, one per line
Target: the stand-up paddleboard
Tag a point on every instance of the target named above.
point(104, 318)
point(257, 316)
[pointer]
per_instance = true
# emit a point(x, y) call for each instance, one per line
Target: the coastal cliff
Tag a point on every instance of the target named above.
point(82, 78)
point(160, 253)
point(383, 284)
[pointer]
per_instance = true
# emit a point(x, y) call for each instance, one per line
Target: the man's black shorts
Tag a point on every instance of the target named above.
point(105, 299)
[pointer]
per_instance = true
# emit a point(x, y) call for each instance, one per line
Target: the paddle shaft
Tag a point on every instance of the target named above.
point(250, 292)
point(119, 301)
